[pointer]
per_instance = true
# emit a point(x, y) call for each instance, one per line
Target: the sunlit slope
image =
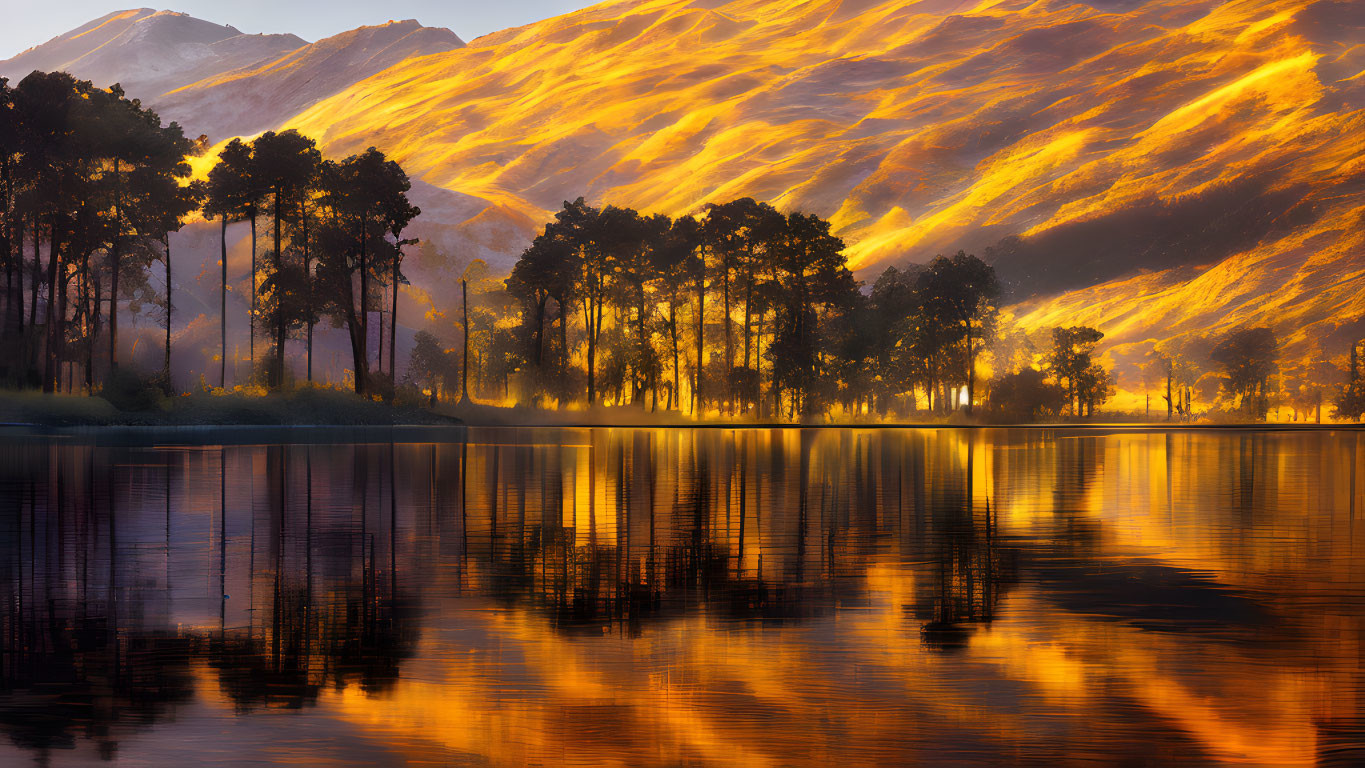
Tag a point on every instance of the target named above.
point(1307, 284)
point(917, 127)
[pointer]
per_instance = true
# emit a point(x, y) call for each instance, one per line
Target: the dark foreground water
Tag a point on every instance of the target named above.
point(680, 597)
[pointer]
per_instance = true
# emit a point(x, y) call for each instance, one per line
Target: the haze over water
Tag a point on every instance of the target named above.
point(687, 597)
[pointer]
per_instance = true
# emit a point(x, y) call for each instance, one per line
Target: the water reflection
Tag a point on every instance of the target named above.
point(671, 597)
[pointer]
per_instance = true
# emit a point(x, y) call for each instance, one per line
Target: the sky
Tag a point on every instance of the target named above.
point(27, 23)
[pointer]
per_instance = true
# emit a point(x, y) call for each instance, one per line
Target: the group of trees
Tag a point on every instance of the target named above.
point(744, 309)
point(335, 248)
point(92, 185)
point(98, 183)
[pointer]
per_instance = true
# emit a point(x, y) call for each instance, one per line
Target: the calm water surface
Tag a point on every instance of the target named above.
point(688, 597)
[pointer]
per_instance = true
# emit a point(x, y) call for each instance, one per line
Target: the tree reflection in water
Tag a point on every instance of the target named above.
point(650, 596)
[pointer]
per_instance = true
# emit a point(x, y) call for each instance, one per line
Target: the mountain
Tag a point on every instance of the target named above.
point(1158, 168)
point(213, 79)
point(1206, 151)
point(148, 52)
point(252, 99)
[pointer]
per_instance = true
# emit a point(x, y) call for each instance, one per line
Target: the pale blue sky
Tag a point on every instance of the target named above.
point(28, 23)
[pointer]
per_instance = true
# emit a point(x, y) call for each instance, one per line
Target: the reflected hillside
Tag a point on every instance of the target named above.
point(707, 597)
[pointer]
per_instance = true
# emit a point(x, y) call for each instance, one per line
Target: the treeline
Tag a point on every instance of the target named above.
point(746, 311)
point(92, 186)
point(742, 311)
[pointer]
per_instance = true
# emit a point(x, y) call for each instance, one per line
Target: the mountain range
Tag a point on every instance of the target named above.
point(1158, 168)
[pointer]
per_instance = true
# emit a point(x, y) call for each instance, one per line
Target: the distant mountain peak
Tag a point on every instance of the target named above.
point(148, 51)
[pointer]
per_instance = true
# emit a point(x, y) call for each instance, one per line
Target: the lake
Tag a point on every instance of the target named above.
point(667, 597)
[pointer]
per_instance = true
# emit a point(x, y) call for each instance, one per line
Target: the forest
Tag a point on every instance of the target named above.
point(741, 311)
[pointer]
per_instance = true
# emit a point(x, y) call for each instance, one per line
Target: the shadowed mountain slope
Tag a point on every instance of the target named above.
point(148, 52)
point(252, 99)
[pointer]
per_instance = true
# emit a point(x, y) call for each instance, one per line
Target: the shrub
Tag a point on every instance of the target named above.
point(128, 390)
point(1025, 396)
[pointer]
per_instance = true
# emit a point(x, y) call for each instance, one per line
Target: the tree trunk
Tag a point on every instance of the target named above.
point(538, 337)
point(115, 251)
point(729, 345)
point(971, 369)
point(701, 326)
point(363, 359)
point(251, 343)
point(464, 364)
point(353, 327)
point(641, 381)
point(50, 317)
point(588, 321)
point(85, 322)
point(98, 318)
point(673, 332)
point(748, 325)
point(564, 340)
point(393, 317)
point(36, 278)
point(279, 298)
point(307, 280)
point(166, 367)
point(222, 303)
point(1170, 402)
point(19, 274)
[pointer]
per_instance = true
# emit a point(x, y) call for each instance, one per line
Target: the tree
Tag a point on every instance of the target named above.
point(892, 325)
point(1070, 361)
point(230, 197)
point(1154, 371)
point(431, 365)
point(962, 290)
point(1349, 402)
point(1094, 386)
point(88, 168)
point(580, 227)
point(286, 167)
point(639, 246)
point(743, 237)
point(1025, 396)
point(680, 266)
point(1308, 382)
point(358, 195)
point(810, 266)
point(1247, 360)
point(397, 213)
point(13, 317)
point(163, 211)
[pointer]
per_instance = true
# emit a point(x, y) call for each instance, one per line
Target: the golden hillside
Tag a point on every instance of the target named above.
point(915, 126)
point(1115, 137)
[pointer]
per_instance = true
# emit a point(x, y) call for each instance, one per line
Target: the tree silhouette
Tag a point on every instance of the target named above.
point(1247, 360)
point(230, 197)
point(397, 213)
point(743, 236)
point(1070, 362)
point(358, 194)
point(810, 267)
point(286, 168)
point(962, 290)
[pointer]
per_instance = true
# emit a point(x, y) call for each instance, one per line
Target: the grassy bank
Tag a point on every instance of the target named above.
point(309, 406)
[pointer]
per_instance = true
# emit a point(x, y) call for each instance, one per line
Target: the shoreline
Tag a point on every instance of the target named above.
point(244, 434)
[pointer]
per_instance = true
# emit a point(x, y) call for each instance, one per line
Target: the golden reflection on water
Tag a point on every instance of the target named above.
point(688, 597)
